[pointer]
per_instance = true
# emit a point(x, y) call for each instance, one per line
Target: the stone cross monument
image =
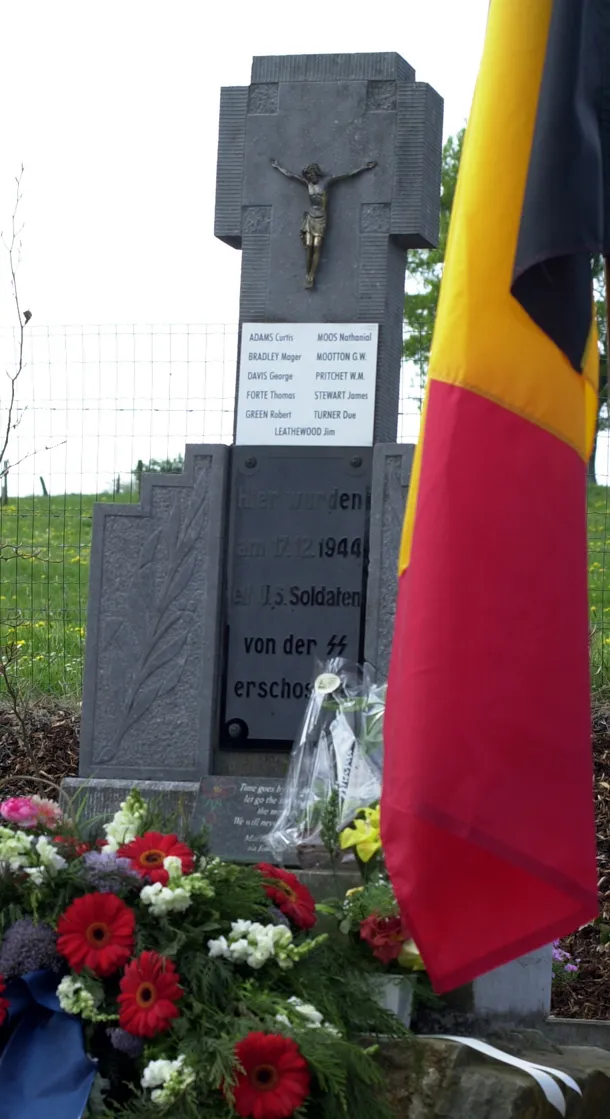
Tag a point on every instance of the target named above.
point(211, 600)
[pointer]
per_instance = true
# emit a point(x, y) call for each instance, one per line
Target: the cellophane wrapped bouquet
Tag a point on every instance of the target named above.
point(335, 764)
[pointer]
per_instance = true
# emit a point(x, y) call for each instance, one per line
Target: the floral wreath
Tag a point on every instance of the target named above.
point(169, 982)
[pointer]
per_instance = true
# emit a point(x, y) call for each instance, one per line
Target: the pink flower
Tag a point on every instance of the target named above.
point(20, 810)
point(49, 812)
point(28, 812)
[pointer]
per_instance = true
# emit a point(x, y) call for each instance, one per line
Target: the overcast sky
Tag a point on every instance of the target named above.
point(112, 106)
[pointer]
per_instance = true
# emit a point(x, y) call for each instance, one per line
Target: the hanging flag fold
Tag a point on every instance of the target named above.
point(487, 805)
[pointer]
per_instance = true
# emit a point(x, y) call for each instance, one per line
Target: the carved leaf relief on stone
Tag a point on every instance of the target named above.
point(159, 627)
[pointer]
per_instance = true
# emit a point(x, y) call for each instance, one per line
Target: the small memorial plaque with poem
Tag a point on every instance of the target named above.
point(238, 813)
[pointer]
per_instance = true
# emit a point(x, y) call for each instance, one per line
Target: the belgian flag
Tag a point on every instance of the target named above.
point(487, 805)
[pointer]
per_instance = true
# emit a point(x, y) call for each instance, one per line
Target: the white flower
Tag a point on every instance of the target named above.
point(239, 950)
point(306, 1010)
point(148, 894)
point(252, 943)
point(163, 899)
point(218, 947)
point(47, 853)
point(127, 822)
point(15, 849)
point(281, 936)
point(20, 838)
point(74, 998)
point(173, 866)
point(197, 884)
point(241, 928)
point(35, 874)
point(178, 900)
point(257, 958)
point(308, 1015)
point(38, 857)
point(156, 1073)
point(177, 895)
point(167, 1079)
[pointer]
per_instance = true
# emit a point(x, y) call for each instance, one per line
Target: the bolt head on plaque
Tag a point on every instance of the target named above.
point(237, 731)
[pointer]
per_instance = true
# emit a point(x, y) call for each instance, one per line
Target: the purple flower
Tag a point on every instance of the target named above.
point(278, 917)
point(571, 967)
point(106, 872)
point(28, 947)
point(125, 1042)
point(559, 955)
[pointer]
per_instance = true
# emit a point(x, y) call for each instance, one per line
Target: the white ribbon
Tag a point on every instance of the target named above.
point(541, 1073)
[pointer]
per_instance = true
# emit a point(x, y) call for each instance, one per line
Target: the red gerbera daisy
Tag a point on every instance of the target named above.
point(148, 851)
point(275, 1077)
point(96, 931)
point(4, 1003)
point(290, 895)
point(149, 993)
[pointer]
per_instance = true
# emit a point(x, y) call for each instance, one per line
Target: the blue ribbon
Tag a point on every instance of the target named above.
point(44, 1070)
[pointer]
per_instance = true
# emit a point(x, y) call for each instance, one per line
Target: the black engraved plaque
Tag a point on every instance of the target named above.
point(238, 813)
point(296, 572)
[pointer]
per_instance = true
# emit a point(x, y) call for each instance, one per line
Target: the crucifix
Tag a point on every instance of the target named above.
point(313, 226)
point(353, 113)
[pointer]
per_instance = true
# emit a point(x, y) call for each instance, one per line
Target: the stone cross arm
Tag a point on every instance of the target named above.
point(339, 111)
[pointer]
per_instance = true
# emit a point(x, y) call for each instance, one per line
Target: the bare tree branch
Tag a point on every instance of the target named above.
point(11, 650)
point(19, 707)
point(5, 471)
point(14, 256)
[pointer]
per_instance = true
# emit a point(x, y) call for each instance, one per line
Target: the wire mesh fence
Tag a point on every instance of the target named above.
point(94, 406)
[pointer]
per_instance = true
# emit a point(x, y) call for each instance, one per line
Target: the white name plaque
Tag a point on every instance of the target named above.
point(307, 384)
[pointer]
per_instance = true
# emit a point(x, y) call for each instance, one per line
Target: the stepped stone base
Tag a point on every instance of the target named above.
point(434, 1079)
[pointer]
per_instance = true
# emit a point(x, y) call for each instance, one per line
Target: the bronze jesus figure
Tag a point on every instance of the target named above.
point(313, 226)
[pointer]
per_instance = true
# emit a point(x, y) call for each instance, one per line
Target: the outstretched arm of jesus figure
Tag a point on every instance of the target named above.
point(350, 174)
point(288, 174)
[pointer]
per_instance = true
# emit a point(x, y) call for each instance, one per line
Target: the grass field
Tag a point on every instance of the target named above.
point(43, 592)
point(599, 582)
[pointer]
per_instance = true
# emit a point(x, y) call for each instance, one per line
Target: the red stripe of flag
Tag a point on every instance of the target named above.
point(487, 728)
